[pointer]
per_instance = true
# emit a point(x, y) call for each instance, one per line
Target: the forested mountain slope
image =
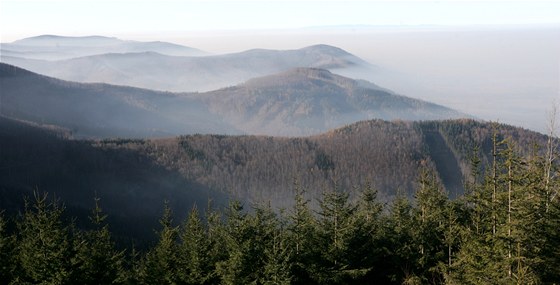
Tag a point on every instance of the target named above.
point(297, 102)
point(131, 186)
point(307, 101)
point(389, 155)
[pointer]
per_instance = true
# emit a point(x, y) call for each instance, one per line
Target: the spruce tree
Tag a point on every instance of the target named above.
point(97, 261)
point(402, 251)
point(160, 264)
point(44, 250)
point(240, 262)
point(195, 260)
point(336, 233)
point(429, 226)
point(302, 237)
point(6, 252)
point(540, 219)
point(277, 252)
point(367, 246)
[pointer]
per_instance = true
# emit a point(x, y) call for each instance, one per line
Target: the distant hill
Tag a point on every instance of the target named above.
point(298, 102)
point(307, 101)
point(101, 110)
point(134, 177)
point(53, 47)
point(153, 69)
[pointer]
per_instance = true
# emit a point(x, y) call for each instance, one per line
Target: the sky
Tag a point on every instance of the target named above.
point(23, 18)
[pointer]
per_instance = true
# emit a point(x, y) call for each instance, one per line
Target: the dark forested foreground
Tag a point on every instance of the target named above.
point(504, 230)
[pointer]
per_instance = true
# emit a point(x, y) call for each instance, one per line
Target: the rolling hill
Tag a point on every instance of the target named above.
point(101, 110)
point(53, 47)
point(298, 102)
point(307, 101)
point(158, 71)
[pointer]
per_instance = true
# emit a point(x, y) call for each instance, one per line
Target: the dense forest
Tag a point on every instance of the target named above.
point(338, 229)
point(503, 230)
point(386, 154)
point(133, 177)
point(133, 188)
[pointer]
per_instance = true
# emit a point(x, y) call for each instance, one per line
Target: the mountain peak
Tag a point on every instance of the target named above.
point(302, 75)
point(327, 49)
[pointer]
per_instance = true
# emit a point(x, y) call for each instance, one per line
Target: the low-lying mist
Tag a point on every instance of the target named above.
point(504, 73)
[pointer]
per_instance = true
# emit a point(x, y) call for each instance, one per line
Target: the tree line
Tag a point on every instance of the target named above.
point(504, 230)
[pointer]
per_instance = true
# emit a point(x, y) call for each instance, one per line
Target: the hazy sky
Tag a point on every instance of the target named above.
point(22, 18)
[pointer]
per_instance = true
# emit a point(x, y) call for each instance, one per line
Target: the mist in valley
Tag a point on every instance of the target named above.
point(509, 74)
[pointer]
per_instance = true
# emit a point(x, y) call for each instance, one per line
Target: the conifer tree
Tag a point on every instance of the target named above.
point(479, 259)
point(452, 227)
point(97, 261)
point(277, 253)
point(302, 237)
point(240, 262)
point(540, 220)
point(336, 233)
point(160, 264)
point(195, 263)
point(44, 250)
point(6, 252)
point(430, 226)
point(367, 242)
point(549, 253)
point(402, 248)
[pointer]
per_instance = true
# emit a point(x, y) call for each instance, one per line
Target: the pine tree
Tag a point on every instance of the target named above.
point(430, 226)
point(480, 257)
point(452, 227)
point(549, 253)
point(336, 233)
point(195, 263)
point(539, 220)
point(6, 253)
point(160, 264)
point(278, 254)
point(240, 263)
point(97, 261)
point(402, 249)
point(301, 230)
point(44, 250)
point(367, 242)
point(217, 246)
point(512, 234)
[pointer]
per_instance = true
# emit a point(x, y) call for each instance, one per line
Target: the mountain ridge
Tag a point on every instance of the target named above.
point(100, 110)
point(254, 169)
point(297, 102)
point(54, 47)
point(187, 73)
point(305, 101)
